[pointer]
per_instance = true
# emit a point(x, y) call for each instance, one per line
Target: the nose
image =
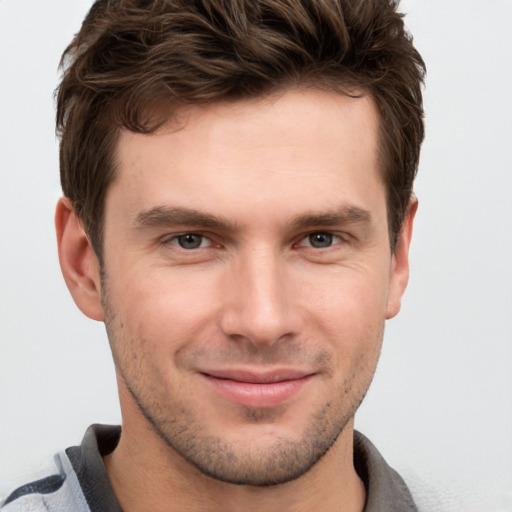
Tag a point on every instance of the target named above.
point(258, 303)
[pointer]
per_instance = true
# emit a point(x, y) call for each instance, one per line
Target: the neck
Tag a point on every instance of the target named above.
point(148, 475)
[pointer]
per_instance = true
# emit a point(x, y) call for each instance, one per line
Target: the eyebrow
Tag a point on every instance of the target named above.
point(164, 216)
point(345, 215)
point(161, 216)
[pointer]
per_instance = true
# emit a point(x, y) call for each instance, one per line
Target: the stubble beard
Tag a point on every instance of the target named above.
point(281, 460)
point(182, 429)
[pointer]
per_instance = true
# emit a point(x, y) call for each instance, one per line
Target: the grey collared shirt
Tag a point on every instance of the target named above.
point(81, 483)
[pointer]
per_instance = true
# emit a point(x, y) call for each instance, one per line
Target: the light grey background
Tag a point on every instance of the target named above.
point(440, 407)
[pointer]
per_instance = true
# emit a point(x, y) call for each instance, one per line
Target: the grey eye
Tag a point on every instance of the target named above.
point(320, 240)
point(189, 241)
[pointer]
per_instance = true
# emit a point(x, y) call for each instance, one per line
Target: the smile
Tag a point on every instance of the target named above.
point(257, 390)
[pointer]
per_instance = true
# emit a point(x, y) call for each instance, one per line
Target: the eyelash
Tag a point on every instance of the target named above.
point(175, 240)
point(332, 239)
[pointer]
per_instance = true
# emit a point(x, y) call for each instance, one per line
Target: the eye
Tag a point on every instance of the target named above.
point(320, 240)
point(190, 241)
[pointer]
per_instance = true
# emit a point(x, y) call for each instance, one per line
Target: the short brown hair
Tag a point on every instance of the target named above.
point(132, 55)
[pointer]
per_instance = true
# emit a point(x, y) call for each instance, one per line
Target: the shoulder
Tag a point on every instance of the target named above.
point(31, 496)
point(56, 492)
point(76, 480)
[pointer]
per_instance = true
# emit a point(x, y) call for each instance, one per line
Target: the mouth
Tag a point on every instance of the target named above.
point(257, 389)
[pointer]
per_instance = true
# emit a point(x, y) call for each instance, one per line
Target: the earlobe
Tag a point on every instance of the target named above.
point(78, 262)
point(400, 262)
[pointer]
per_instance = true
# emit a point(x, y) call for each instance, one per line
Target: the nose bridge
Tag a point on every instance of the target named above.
point(259, 305)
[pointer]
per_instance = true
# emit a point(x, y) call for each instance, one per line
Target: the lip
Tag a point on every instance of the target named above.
point(257, 389)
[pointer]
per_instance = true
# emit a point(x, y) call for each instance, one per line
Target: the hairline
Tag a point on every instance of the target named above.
point(175, 108)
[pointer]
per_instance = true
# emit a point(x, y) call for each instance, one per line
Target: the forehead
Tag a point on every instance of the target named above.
point(296, 147)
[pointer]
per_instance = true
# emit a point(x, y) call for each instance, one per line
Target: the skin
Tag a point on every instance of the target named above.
point(249, 240)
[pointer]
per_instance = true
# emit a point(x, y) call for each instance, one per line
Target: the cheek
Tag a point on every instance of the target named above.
point(163, 308)
point(349, 310)
point(347, 296)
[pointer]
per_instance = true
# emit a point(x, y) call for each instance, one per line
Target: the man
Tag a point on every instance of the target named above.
point(237, 209)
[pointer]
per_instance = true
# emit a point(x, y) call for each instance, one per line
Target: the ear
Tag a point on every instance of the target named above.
point(400, 262)
point(78, 262)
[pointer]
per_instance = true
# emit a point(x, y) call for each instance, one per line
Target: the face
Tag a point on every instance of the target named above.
point(247, 278)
